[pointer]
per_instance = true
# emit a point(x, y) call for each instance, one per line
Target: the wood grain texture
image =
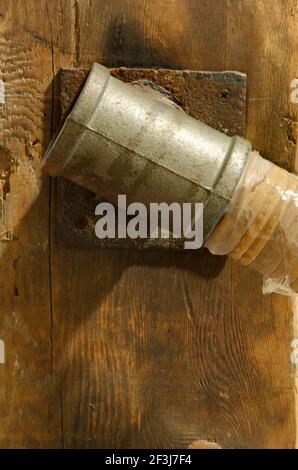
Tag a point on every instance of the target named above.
point(125, 349)
point(28, 387)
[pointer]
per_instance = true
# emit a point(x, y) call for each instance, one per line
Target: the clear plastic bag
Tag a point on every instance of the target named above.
point(260, 228)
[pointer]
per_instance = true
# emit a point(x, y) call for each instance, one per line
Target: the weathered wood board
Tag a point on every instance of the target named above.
point(124, 349)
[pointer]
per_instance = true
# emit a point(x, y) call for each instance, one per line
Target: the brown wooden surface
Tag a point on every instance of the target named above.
point(112, 348)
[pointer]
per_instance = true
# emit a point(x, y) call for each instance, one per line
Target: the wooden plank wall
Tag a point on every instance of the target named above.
point(124, 349)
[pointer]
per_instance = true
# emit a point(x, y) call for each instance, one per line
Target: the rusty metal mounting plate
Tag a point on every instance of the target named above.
point(216, 98)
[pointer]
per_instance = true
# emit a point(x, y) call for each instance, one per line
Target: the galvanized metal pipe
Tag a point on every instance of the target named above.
point(119, 139)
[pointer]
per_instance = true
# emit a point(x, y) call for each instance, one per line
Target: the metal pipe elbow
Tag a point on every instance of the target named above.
point(119, 139)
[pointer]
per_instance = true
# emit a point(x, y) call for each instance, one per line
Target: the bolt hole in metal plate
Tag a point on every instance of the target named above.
point(216, 98)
